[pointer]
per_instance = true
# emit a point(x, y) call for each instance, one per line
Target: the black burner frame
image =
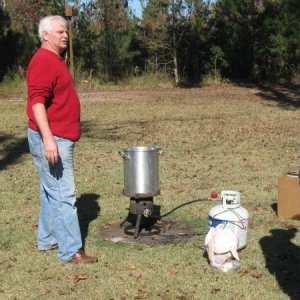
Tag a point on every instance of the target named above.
point(143, 214)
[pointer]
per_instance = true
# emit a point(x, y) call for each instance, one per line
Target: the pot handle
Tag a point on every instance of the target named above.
point(123, 154)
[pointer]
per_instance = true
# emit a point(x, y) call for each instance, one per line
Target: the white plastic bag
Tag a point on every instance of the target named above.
point(221, 246)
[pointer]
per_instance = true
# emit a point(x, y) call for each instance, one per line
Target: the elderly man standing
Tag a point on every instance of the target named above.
point(53, 111)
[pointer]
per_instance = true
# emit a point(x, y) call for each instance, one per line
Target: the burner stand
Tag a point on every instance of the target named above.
point(143, 214)
point(136, 232)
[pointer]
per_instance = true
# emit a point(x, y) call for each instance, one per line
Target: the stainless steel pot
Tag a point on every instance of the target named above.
point(141, 171)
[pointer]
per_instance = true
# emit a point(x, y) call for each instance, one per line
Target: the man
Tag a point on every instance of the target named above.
point(53, 110)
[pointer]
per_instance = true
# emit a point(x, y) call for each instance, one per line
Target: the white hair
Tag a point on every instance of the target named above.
point(45, 24)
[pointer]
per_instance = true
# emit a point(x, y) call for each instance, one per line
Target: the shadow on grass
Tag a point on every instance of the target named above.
point(286, 96)
point(283, 260)
point(93, 130)
point(12, 151)
point(88, 210)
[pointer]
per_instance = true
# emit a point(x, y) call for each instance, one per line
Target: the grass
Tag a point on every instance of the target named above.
point(149, 80)
point(213, 138)
point(87, 84)
point(13, 86)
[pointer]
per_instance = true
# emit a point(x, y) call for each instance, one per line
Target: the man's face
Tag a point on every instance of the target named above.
point(57, 39)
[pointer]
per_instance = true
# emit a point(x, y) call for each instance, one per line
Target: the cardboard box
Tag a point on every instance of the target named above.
point(288, 205)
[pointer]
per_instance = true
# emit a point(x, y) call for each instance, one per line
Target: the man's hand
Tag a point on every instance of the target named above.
point(51, 150)
point(50, 145)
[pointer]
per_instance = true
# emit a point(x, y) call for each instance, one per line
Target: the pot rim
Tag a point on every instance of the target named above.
point(142, 149)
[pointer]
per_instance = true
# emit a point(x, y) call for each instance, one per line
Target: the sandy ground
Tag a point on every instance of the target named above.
point(127, 94)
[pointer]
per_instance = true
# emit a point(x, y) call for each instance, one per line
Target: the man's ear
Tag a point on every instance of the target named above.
point(45, 35)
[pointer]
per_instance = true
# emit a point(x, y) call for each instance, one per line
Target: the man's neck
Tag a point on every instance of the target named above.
point(46, 46)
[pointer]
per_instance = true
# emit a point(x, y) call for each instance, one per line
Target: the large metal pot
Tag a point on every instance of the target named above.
point(141, 171)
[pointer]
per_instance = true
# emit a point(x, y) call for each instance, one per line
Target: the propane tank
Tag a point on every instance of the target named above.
point(232, 215)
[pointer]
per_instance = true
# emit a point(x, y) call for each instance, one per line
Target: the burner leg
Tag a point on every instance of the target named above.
point(137, 226)
point(121, 225)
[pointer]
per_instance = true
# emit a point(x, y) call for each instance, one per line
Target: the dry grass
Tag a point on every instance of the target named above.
point(213, 138)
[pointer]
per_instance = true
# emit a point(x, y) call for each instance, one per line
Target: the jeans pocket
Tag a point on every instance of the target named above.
point(35, 143)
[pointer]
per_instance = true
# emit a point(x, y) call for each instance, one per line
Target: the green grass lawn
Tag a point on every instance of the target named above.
point(214, 138)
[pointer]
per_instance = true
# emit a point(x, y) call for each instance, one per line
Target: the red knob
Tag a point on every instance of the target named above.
point(214, 195)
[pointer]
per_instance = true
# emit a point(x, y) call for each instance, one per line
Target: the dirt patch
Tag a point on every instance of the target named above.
point(290, 94)
point(165, 231)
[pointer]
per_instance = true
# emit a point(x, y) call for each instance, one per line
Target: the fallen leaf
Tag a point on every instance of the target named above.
point(256, 275)
point(45, 291)
point(238, 296)
point(182, 233)
point(174, 272)
point(244, 272)
point(78, 277)
point(116, 240)
point(139, 277)
point(289, 226)
point(132, 267)
point(61, 293)
point(216, 290)
point(140, 295)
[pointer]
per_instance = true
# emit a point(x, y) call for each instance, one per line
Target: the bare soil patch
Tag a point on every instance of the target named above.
point(165, 231)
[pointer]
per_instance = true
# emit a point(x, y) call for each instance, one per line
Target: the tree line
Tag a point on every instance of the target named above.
point(187, 39)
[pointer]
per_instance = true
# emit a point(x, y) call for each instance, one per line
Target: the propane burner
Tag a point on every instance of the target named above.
point(141, 184)
point(142, 216)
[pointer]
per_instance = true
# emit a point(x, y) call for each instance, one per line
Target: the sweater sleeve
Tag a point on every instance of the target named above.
point(41, 81)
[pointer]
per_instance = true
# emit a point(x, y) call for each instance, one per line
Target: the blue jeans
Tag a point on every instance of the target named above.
point(58, 219)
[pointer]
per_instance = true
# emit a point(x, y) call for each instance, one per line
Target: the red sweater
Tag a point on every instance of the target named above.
point(49, 82)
